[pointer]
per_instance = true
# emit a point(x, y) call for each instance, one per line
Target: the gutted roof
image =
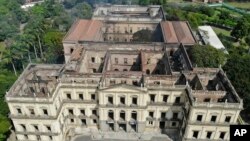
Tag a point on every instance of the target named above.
point(84, 30)
point(177, 32)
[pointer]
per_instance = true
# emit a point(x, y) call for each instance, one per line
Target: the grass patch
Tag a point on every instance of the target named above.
point(222, 31)
point(244, 5)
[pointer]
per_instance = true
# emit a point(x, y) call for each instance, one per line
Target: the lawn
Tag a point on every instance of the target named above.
point(244, 5)
point(222, 31)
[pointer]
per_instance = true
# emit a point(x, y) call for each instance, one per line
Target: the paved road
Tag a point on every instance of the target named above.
point(88, 138)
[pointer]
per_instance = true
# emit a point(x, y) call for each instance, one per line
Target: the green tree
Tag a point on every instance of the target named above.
point(53, 42)
point(247, 39)
point(237, 69)
point(206, 56)
point(242, 28)
point(82, 11)
point(144, 35)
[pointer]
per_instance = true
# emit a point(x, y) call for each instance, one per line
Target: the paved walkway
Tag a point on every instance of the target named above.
point(122, 136)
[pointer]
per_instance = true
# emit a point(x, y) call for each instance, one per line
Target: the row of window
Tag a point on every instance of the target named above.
point(38, 137)
point(213, 118)
point(32, 111)
point(209, 134)
point(80, 96)
point(36, 128)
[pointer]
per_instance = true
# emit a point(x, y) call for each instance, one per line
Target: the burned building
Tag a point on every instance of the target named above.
point(114, 86)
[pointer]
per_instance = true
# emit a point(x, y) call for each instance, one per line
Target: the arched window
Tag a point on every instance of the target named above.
point(116, 70)
point(171, 52)
point(71, 50)
point(147, 71)
point(125, 70)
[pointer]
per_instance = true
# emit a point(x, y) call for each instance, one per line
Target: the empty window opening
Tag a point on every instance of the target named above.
point(81, 96)
point(83, 121)
point(68, 96)
point(45, 112)
point(209, 134)
point(135, 83)
point(151, 114)
point(152, 98)
point(110, 100)
point(222, 135)
point(122, 115)
point(92, 96)
point(125, 69)
point(207, 100)
point(173, 124)
point(94, 112)
point(195, 134)
point(163, 115)
point(93, 59)
point(227, 119)
point(199, 118)
point(82, 111)
point(71, 112)
point(165, 98)
point(162, 124)
point(111, 114)
point(177, 100)
point(71, 50)
point(213, 118)
point(175, 115)
point(19, 111)
point(147, 71)
point(134, 100)
point(122, 100)
point(134, 115)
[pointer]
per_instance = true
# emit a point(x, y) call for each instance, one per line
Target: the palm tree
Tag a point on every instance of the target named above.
point(8, 58)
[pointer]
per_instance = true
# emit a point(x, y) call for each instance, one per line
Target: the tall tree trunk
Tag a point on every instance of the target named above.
point(35, 50)
point(40, 46)
point(14, 68)
point(29, 57)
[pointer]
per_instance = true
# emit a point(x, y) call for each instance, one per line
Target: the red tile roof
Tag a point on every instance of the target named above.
point(84, 30)
point(177, 32)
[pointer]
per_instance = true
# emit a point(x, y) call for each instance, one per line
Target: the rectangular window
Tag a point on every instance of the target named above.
point(152, 98)
point(116, 61)
point(163, 115)
point(165, 98)
point(195, 134)
point(32, 112)
point(45, 112)
point(209, 134)
point(71, 112)
point(222, 135)
point(125, 60)
point(82, 111)
point(48, 128)
point(94, 121)
point(227, 119)
point(83, 121)
point(134, 100)
point(175, 115)
point(92, 96)
point(93, 59)
point(112, 82)
point(199, 118)
point(102, 59)
point(151, 114)
point(81, 96)
point(19, 111)
point(94, 112)
point(110, 100)
point(207, 100)
point(68, 96)
point(213, 118)
point(173, 124)
point(122, 100)
point(72, 120)
point(177, 99)
point(51, 138)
